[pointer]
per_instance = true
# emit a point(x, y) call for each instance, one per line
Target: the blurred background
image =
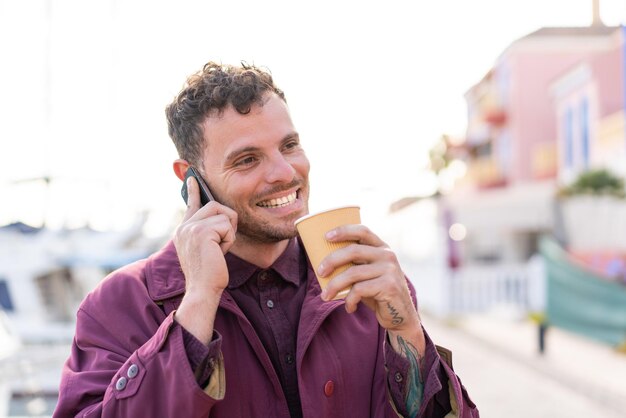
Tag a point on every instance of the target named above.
point(485, 141)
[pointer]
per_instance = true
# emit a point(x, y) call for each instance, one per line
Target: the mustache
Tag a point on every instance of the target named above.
point(295, 183)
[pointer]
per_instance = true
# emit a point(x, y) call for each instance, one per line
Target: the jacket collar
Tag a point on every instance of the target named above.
point(164, 277)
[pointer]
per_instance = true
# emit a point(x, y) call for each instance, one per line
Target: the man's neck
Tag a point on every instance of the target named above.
point(262, 254)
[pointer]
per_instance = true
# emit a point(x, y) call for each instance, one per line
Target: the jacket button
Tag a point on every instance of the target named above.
point(133, 370)
point(121, 383)
point(329, 388)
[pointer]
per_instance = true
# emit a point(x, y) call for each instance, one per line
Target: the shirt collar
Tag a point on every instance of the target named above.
point(287, 265)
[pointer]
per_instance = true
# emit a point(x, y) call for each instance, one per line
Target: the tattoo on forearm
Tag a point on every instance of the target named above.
point(415, 383)
point(395, 315)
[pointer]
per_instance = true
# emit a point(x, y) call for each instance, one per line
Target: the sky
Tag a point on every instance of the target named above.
point(371, 86)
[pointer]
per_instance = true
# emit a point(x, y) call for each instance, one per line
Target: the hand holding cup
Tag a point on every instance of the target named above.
point(312, 230)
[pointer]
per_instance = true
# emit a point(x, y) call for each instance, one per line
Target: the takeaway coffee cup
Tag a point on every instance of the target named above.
point(313, 228)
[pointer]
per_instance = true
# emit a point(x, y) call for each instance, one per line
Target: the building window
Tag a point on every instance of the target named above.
point(584, 131)
point(59, 293)
point(5, 297)
point(484, 150)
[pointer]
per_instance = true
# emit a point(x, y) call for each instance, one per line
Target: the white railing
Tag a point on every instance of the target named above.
point(481, 288)
point(442, 292)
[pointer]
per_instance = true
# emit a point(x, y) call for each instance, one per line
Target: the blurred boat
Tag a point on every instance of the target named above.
point(9, 344)
point(44, 275)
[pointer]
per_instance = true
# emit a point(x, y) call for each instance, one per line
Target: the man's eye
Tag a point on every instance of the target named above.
point(291, 145)
point(245, 161)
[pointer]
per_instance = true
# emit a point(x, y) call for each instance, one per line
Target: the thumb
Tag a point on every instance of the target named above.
point(193, 198)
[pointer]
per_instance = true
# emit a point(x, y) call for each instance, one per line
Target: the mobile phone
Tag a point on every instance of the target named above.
point(205, 193)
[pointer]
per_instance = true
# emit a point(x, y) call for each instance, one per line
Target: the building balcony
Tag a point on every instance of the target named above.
point(484, 172)
point(495, 117)
point(544, 160)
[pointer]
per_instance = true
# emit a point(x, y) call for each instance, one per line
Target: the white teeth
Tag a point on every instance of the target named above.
point(279, 202)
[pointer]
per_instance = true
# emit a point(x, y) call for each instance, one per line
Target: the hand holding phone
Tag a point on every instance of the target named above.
point(201, 240)
point(205, 193)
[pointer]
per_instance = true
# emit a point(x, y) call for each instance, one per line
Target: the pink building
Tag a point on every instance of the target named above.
point(590, 110)
point(512, 129)
point(552, 106)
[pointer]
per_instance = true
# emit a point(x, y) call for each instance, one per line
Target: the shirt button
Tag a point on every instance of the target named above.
point(329, 388)
point(289, 359)
point(270, 303)
point(121, 383)
point(398, 377)
point(133, 370)
point(263, 276)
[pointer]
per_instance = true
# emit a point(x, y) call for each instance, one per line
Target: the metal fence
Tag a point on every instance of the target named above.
point(477, 289)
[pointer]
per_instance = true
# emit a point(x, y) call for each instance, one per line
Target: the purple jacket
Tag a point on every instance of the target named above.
point(128, 358)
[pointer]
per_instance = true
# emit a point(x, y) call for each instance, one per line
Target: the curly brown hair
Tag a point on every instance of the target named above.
point(208, 92)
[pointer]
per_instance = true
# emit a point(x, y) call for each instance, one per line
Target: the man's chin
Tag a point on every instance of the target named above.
point(266, 236)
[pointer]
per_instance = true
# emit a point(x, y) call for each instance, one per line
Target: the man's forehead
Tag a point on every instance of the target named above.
point(265, 124)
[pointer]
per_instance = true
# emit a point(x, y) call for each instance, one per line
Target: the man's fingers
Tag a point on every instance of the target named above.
point(228, 240)
point(361, 292)
point(231, 214)
point(355, 232)
point(212, 218)
point(353, 275)
point(221, 224)
point(214, 208)
point(354, 253)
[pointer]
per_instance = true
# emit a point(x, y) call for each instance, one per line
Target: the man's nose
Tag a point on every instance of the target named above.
point(280, 170)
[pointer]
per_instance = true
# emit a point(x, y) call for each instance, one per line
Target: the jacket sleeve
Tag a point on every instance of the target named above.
point(131, 363)
point(201, 357)
point(443, 393)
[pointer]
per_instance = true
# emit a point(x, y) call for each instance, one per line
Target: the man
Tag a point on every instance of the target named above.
point(228, 319)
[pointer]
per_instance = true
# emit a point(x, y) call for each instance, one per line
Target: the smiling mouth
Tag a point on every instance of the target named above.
point(279, 202)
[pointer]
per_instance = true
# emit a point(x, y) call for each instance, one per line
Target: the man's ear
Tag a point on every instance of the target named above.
point(180, 168)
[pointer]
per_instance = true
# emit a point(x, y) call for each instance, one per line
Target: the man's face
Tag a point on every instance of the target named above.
point(255, 165)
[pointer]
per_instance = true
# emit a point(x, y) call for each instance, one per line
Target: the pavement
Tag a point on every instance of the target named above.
point(498, 360)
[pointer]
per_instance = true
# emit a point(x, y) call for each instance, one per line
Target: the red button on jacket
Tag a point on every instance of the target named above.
point(329, 388)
